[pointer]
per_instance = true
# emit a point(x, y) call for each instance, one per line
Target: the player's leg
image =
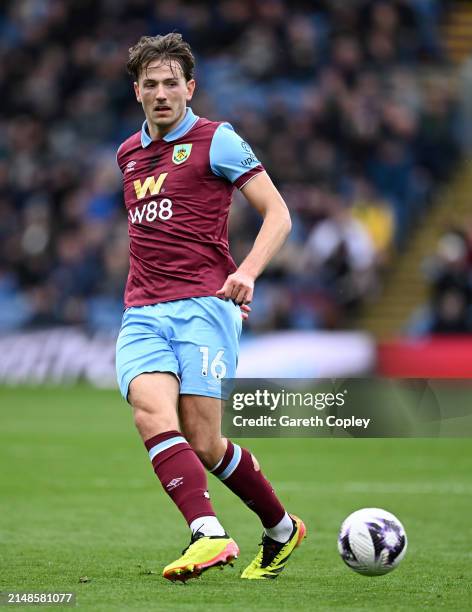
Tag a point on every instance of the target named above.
point(208, 354)
point(147, 372)
point(154, 400)
point(154, 397)
point(236, 467)
point(239, 470)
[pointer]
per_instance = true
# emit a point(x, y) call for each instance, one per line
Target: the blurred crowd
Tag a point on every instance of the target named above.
point(449, 274)
point(348, 104)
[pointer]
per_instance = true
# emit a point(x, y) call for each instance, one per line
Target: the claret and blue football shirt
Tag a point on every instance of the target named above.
point(177, 192)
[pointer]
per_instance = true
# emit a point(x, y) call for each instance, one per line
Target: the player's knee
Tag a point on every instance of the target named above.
point(141, 418)
point(148, 422)
point(204, 454)
point(208, 451)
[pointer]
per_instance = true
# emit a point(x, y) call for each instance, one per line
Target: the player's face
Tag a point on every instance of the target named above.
point(163, 92)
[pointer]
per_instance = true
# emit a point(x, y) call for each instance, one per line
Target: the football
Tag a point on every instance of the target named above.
point(372, 541)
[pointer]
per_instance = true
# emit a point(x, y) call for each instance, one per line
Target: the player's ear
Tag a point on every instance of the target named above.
point(136, 91)
point(190, 89)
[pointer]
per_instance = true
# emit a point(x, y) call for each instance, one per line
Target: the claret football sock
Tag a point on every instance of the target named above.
point(208, 525)
point(241, 474)
point(181, 474)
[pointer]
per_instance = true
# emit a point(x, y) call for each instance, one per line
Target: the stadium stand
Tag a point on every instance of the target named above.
point(348, 105)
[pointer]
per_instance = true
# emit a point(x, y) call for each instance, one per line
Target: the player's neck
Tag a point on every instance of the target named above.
point(157, 132)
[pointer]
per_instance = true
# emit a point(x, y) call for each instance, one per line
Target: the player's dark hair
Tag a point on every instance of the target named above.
point(168, 48)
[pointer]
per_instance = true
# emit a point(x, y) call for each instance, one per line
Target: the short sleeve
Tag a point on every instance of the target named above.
point(232, 158)
point(118, 156)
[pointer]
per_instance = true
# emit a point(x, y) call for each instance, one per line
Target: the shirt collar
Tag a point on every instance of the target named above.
point(182, 128)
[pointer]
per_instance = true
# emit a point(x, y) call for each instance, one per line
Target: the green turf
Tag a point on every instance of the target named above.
point(78, 498)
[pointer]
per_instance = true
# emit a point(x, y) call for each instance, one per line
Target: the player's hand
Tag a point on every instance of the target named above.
point(238, 287)
point(245, 310)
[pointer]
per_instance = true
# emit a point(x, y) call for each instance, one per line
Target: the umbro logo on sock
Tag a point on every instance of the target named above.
point(174, 483)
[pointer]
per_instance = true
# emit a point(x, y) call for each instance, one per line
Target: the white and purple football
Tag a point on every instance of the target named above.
point(372, 541)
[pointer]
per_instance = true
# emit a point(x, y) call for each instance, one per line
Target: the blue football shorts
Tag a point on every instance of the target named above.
point(197, 339)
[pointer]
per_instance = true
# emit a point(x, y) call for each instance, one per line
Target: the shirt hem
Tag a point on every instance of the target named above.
point(152, 301)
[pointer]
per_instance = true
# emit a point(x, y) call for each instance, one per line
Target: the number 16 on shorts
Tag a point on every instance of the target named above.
point(217, 365)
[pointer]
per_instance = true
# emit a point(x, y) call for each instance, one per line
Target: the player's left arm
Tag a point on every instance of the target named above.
point(262, 194)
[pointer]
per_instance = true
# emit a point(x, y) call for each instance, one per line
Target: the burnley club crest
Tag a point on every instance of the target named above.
point(181, 153)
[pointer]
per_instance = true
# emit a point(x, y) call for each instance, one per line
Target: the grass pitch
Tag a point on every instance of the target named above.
point(82, 511)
